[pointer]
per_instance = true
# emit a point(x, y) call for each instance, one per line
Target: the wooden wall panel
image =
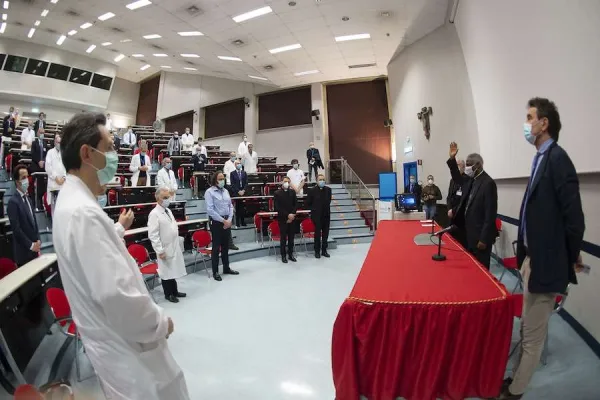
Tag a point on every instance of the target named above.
point(224, 118)
point(285, 108)
point(180, 122)
point(356, 112)
point(148, 101)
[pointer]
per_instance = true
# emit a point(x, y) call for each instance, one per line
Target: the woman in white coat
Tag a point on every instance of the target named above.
point(140, 166)
point(55, 170)
point(164, 236)
point(123, 331)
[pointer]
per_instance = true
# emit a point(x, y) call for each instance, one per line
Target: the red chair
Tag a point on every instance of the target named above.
point(112, 197)
point(136, 151)
point(200, 241)
point(30, 392)
point(47, 206)
point(180, 173)
point(161, 155)
point(6, 266)
point(271, 204)
point(267, 190)
point(510, 263)
point(257, 226)
point(8, 163)
point(193, 185)
point(59, 305)
point(307, 231)
point(146, 266)
point(274, 236)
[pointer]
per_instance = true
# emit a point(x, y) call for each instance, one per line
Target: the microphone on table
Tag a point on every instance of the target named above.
point(439, 256)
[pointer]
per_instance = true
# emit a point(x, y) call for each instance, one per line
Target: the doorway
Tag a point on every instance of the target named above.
point(410, 168)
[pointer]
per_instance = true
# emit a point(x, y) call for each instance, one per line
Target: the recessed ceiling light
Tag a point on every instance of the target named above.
point(35, 110)
point(253, 14)
point(153, 36)
point(165, 66)
point(145, 67)
point(191, 33)
point(31, 32)
point(188, 55)
point(6, 3)
point(91, 48)
point(352, 37)
point(313, 71)
point(119, 57)
point(4, 17)
point(137, 55)
point(125, 40)
point(285, 48)
point(45, 12)
point(72, 32)
point(106, 43)
point(229, 58)
point(257, 77)
point(53, 1)
point(61, 40)
point(106, 16)
point(3, 27)
point(160, 55)
point(37, 23)
point(190, 69)
point(138, 4)
point(86, 25)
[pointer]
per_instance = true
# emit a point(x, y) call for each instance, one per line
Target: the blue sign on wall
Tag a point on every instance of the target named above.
point(388, 185)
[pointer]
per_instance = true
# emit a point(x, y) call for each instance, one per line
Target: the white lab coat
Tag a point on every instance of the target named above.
point(55, 169)
point(129, 139)
point(228, 168)
point(242, 149)
point(163, 233)
point(250, 162)
point(166, 179)
point(188, 141)
point(27, 137)
point(200, 149)
point(134, 166)
point(121, 327)
point(109, 124)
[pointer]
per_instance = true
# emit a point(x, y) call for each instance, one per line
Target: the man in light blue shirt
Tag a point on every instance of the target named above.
point(220, 214)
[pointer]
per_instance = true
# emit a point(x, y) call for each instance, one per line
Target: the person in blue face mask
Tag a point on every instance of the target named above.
point(318, 201)
point(120, 321)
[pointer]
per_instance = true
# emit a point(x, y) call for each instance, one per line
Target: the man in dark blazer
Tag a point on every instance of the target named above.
point(414, 188)
point(40, 124)
point(314, 161)
point(38, 160)
point(551, 231)
point(478, 207)
point(455, 194)
point(21, 214)
point(286, 204)
point(239, 185)
point(318, 201)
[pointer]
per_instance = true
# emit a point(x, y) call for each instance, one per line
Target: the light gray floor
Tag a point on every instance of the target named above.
point(266, 334)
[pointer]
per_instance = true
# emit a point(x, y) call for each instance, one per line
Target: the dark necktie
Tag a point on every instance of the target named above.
point(533, 166)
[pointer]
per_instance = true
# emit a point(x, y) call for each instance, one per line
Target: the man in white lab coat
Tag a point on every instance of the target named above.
point(229, 168)
point(163, 233)
point(250, 160)
point(140, 165)
point(124, 332)
point(129, 138)
point(27, 137)
point(187, 140)
point(243, 147)
point(166, 178)
point(109, 123)
point(200, 148)
point(55, 170)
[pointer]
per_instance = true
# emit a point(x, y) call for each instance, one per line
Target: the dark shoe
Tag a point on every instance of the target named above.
point(233, 247)
point(317, 255)
point(505, 384)
point(284, 260)
point(179, 294)
point(217, 277)
point(244, 224)
point(292, 259)
point(230, 272)
point(325, 254)
point(507, 395)
point(172, 299)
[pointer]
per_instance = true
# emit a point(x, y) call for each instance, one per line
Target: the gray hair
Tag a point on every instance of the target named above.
point(165, 161)
point(160, 189)
point(475, 159)
point(233, 154)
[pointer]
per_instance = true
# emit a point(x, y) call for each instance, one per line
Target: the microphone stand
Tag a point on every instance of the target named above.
point(439, 256)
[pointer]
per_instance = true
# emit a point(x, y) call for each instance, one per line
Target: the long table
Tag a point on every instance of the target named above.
point(420, 329)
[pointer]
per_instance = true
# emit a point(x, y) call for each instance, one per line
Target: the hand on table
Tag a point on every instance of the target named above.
point(126, 219)
point(453, 150)
point(481, 246)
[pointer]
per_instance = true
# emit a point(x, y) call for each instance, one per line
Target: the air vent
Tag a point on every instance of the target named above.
point(386, 14)
point(72, 13)
point(18, 23)
point(117, 30)
point(194, 11)
point(114, 50)
point(190, 63)
point(238, 42)
point(361, 65)
point(82, 40)
point(268, 67)
point(30, 2)
point(157, 47)
point(50, 30)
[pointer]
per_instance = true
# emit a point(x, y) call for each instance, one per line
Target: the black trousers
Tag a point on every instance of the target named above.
point(311, 168)
point(483, 256)
point(41, 185)
point(240, 212)
point(321, 232)
point(221, 238)
point(287, 231)
point(169, 287)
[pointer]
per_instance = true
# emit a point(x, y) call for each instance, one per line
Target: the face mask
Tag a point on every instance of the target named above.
point(239, 167)
point(430, 181)
point(107, 173)
point(221, 183)
point(24, 185)
point(41, 136)
point(295, 166)
point(102, 200)
point(412, 181)
point(166, 203)
point(187, 132)
point(321, 184)
point(143, 152)
point(232, 159)
point(527, 133)
point(286, 185)
point(245, 139)
point(469, 171)
point(168, 166)
point(176, 137)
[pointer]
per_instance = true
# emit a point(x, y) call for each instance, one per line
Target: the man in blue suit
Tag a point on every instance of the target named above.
point(239, 184)
point(21, 213)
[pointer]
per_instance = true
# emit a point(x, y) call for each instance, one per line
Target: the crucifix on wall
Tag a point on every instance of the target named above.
point(424, 118)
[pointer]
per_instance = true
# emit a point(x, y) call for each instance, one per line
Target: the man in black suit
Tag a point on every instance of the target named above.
point(414, 188)
point(455, 194)
point(239, 185)
point(26, 238)
point(551, 231)
point(314, 160)
point(318, 202)
point(476, 212)
point(286, 205)
point(38, 160)
point(40, 124)
point(8, 128)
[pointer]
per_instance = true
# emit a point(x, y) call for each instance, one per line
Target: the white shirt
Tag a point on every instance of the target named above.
point(129, 138)
point(27, 137)
point(296, 176)
point(202, 150)
point(227, 170)
point(109, 124)
point(242, 149)
point(55, 169)
point(250, 162)
point(188, 141)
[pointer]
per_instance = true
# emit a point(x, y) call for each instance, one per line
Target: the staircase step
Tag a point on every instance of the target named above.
point(344, 208)
point(354, 238)
point(341, 196)
point(342, 215)
point(346, 222)
point(349, 229)
point(342, 202)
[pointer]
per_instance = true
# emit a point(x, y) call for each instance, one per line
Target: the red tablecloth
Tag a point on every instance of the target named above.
point(420, 329)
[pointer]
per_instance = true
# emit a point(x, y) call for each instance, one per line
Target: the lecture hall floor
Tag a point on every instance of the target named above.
point(266, 334)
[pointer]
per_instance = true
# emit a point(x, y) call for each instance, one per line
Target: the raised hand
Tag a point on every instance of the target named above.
point(453, 150)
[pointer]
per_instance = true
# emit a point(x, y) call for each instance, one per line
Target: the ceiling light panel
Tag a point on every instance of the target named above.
point(138, 4)
point(189, 55)
point(91, 48)
point(37, 23)
point(285, 48)
point(6, 4)
point(190, 69)
point(253, 14)
point(44, 13)
point(61, 40)
point(86, 25)
point(191, 33)
point(313, 71)
point(352, 37)
point(260, 78)
point(3, 27)
point(125, 40)
point(145, 67)
point(119, 57)
point(72, 32)
point(31, 32)
point(152, 36)
point(106, 44)
point(166, 66)
point(53, 1)
point(160, 55)
point(137, 55)
point(229, 58)
point(106, 16)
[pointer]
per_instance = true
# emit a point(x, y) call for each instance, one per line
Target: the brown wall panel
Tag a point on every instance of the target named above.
point(180, 122)
point(224, 118)
point(356, 112)
point(148, 101)
point(285, 108)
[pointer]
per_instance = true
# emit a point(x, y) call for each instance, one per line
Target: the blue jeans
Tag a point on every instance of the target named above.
point(429, 211)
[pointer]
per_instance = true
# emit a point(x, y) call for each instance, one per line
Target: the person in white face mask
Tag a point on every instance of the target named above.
point(297, 178)
point(243, 147)
point(55, 170)
point(187, 140)
point(166, 177)
point(430, 195)
point(123, 331)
